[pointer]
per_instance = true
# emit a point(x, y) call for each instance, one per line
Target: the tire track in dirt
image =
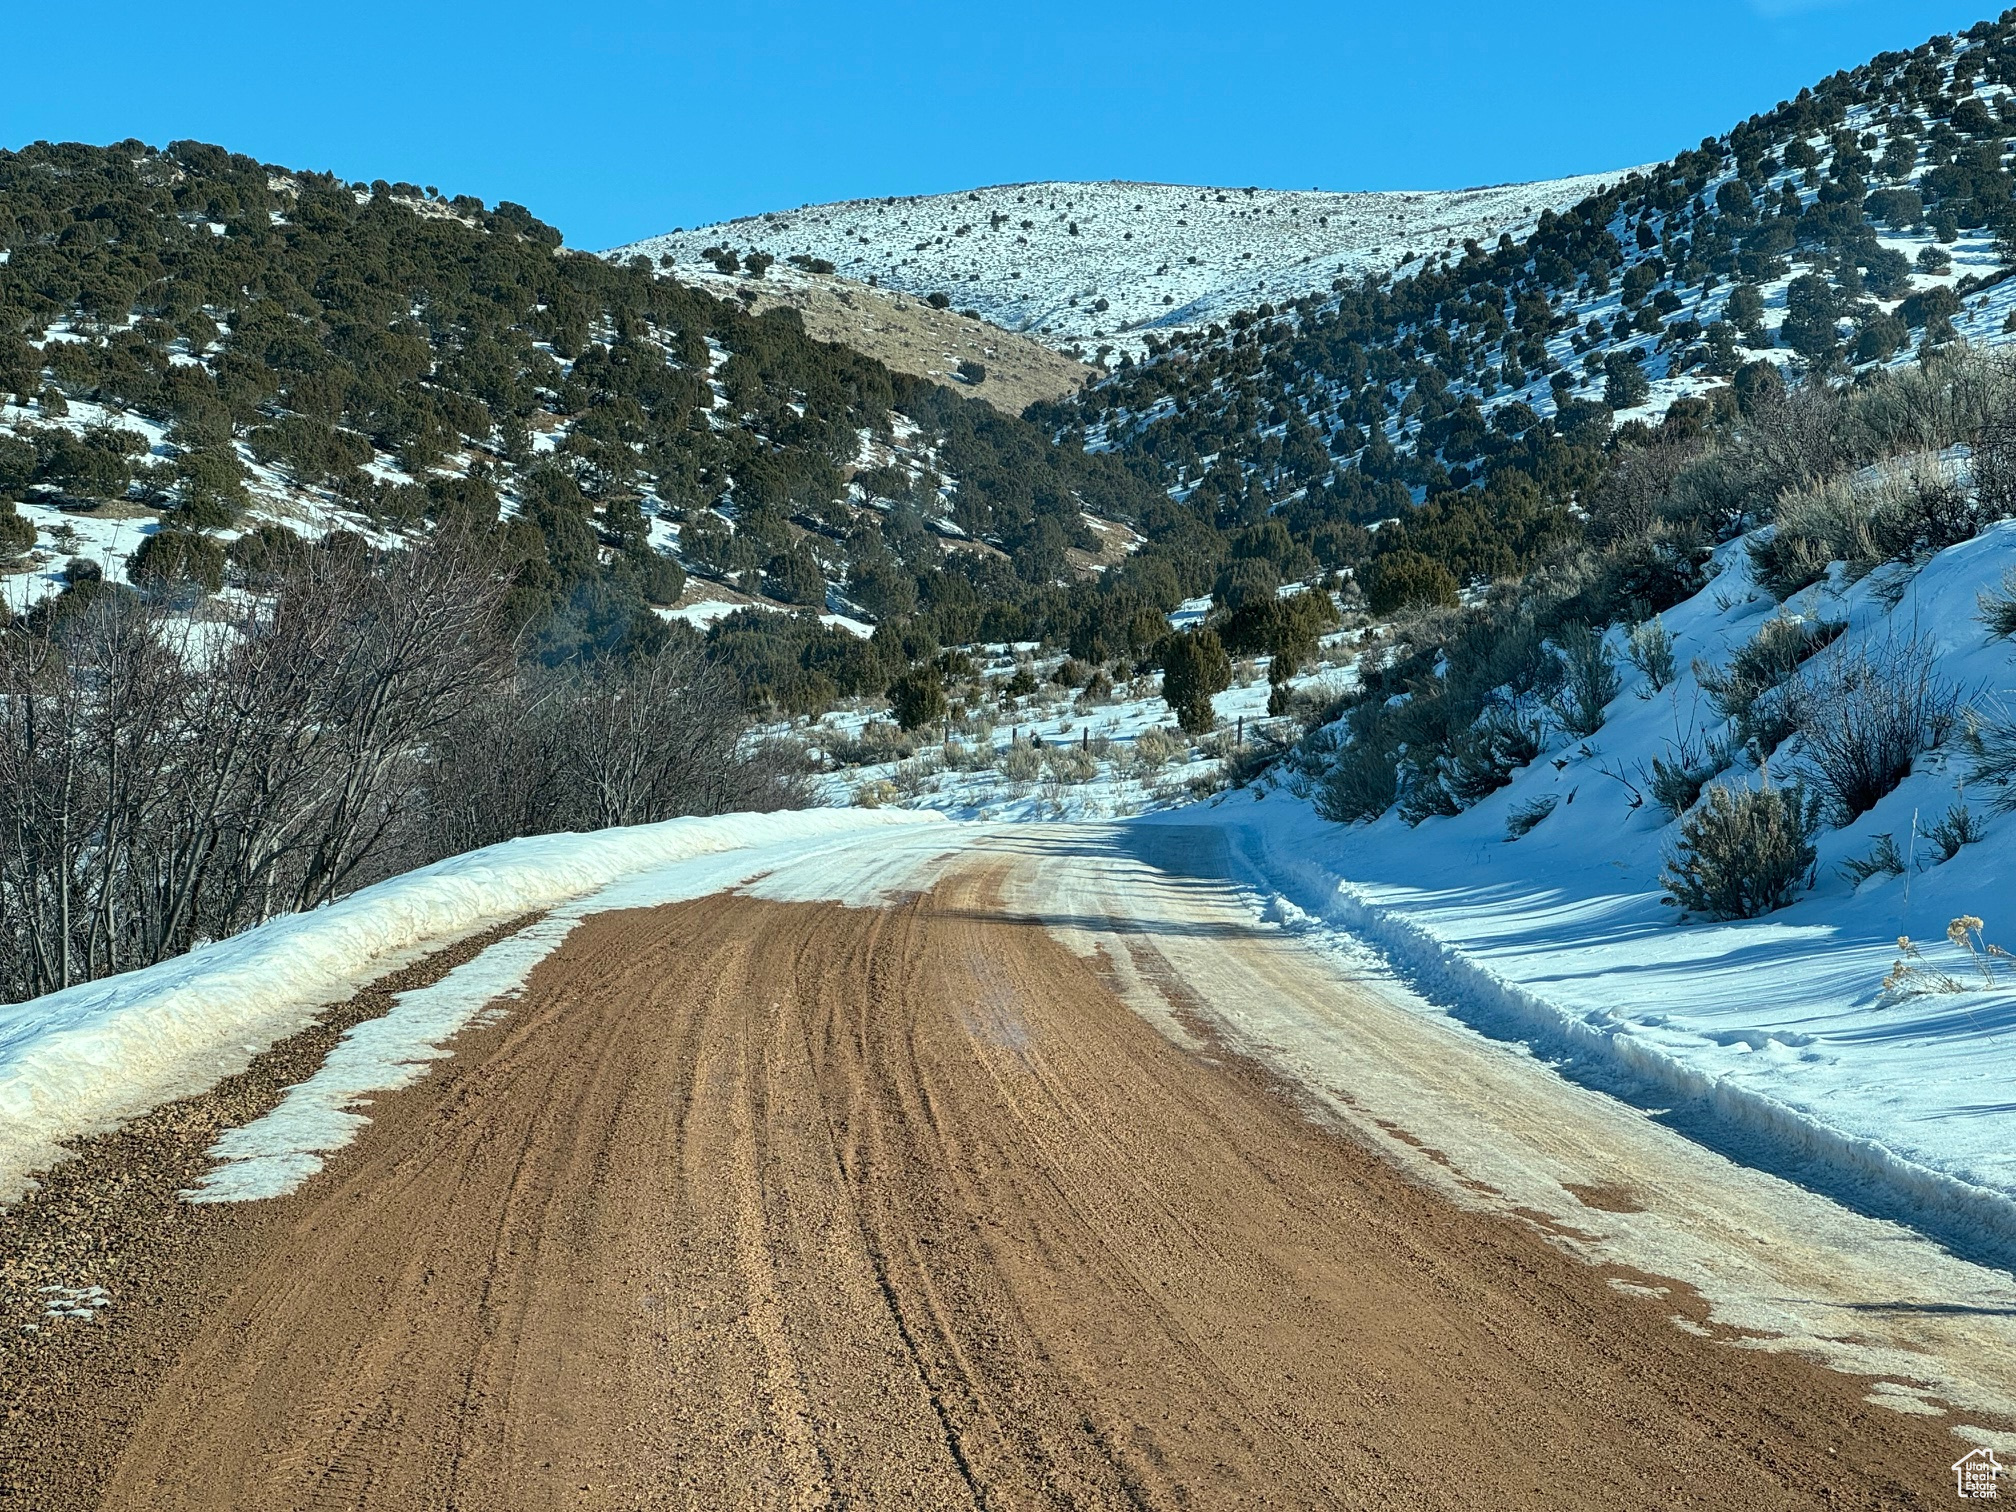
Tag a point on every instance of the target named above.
point(795, 1205)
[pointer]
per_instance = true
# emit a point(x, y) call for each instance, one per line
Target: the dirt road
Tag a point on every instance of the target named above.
point(756, 1203)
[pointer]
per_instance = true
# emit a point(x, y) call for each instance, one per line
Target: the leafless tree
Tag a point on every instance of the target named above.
point(167, 778)
point(611, 743)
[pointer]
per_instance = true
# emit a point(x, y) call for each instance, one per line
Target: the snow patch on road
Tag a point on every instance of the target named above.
point(78, 1061)
point(271, 1156)
point(802, 857)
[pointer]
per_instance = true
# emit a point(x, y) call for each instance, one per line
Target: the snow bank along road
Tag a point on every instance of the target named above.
point(968, 1166)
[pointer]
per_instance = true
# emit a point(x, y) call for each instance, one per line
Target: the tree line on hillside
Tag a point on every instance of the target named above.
point(1375, 403)
point(1850, 480)
point(336, 332)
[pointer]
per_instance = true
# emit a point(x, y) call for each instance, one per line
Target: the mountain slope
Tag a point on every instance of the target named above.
point(1085, 265)
point(203, 357)
point(1714, 426)
point(190, 336)
point(1849, 228)
point(905, 333)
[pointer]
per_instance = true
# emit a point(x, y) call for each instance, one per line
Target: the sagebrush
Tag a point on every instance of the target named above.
point(1743, 853)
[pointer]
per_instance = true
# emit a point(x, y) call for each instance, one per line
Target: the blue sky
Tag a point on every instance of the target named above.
point(615, 121)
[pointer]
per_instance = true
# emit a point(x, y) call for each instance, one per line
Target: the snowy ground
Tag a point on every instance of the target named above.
point(1775, 1028)
point(1057, 753)
point(1084, 264)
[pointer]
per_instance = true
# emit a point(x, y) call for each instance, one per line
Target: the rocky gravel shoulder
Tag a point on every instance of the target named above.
point(104, 1268)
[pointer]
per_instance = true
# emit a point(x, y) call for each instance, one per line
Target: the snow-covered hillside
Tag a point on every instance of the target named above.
point(1087, 264)
point(1559, 934)
point(1852, 229)
point(1594, 323)
point(82, 533)
point(103, 534)
point(1537, 914)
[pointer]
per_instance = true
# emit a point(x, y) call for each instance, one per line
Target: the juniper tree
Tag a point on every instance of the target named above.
point(1194, 668)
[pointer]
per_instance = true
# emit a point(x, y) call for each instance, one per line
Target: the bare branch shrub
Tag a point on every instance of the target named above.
point(1920, 504)
point(608, 743)
point(1865, 713)
point(1989, 731)
point(1882, 860)
point(1715, 497)
point(1998, 608)
point(165, 779)
point(1811, 529)
point(1995, 446)
point(1794, 438)
point(1649, 648)
point(1626, 505)
point(1525, 817)
point(1747, 691)
point(1955, 832)
point(1591, 681)
point(1362, 783)
point(1936, 404)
